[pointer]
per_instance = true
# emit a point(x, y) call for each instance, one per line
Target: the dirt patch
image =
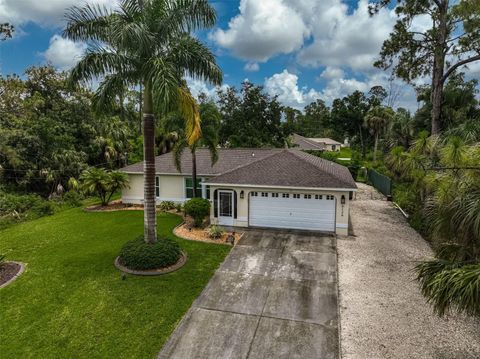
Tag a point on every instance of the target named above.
point(9, 271)
point(382, 311)
point(201, 234)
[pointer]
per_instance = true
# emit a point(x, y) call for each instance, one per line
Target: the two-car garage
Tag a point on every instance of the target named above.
point(292, 210)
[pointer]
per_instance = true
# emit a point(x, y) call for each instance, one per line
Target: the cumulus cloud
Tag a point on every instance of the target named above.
point(251, 66)
point(198, 87)
point(63, 53)
point(332, 72)
point(263, 29)
point(285, 86)
point(44, 12)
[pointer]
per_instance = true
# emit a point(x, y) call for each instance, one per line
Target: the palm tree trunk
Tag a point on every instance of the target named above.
point(361, 140)
point(375, 148)
point(150, 219)
point(194, 173)
point(439, 68)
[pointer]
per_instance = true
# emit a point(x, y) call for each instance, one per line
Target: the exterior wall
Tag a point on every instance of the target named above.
point(172, 188)
point(330, 148)
point(134, 193)
point(342, 212)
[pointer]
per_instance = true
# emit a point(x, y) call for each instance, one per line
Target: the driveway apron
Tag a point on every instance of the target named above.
point(275, 296)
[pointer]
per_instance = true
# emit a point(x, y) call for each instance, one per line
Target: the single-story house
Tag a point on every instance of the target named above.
point(277, 188)
point(316, 143)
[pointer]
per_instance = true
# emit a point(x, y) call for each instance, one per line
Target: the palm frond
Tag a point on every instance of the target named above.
point(178, 149)
point(185, 15)
point(188, 108)
point(87, 23)
point(195, 59)
point(451, 286)
point(108, 90)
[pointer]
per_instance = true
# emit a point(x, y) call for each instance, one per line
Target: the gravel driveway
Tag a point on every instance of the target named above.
point(382, 312)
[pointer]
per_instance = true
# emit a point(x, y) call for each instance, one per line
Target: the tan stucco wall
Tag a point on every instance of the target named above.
point(134, 193)
point(242, 205)
point(171, 189)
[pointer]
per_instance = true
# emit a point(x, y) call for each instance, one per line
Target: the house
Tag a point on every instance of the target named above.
point(321, 144)
point(277, 188)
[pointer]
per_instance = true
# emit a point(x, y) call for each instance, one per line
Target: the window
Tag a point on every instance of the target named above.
point(275, 195)
point(318, 196)
point(157, 187)
point(264, 194)
point(285, 195)
point(334, 147)
point(296, 195)
point(254, 194)
point(189, 187)
point(307, 196)
point(330, 197)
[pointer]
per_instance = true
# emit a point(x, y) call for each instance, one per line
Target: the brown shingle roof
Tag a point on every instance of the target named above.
point(304, 143)
point(289, 168)
point(228, 159)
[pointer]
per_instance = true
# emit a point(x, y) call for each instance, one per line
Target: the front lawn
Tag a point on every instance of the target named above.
point(72, 303)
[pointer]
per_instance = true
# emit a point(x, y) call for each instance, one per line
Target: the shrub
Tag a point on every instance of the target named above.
point(44, 208)
point(198, 209)
point(72, 198)
point(215, 232)
point(167, 205)
point(179, 207)
point(137, 254)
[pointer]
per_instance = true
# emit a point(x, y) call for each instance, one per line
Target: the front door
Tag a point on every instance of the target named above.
point(225, 208)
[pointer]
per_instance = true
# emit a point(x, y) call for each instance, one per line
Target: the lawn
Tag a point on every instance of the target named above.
point(72, 303)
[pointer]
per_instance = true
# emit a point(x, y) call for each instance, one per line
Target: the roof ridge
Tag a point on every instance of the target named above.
point(303, 157)
point(251, 163)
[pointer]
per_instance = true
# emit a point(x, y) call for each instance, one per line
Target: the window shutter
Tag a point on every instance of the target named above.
point(215, 203)
point(234, 204)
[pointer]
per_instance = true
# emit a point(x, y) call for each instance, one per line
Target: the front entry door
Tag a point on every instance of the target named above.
point(225, 208)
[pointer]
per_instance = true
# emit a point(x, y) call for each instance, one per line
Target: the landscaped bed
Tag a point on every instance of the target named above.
point(72, 301)
point(187, 231)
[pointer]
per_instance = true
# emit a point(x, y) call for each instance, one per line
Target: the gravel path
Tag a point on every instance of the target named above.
point(382, 312)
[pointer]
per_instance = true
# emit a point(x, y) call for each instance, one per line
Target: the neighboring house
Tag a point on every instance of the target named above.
point(278, 188)
point(322, 144)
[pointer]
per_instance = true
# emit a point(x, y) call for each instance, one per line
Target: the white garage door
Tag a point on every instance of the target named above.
point(292, 210)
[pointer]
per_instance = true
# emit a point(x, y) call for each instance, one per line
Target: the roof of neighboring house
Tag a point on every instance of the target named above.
point(325, 140)
point(228, 159)
point(289, 168)
point(304, 143)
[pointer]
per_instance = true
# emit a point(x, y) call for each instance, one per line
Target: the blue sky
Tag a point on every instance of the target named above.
point(300, 50)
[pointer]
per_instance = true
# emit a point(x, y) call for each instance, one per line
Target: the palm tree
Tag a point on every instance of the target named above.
point(210, 124)
point(376, 121)
point(147, 43)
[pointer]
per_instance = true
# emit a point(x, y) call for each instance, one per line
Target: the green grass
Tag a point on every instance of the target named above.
point(72, 303)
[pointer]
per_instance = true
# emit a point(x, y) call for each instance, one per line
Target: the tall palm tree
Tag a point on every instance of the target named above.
point(146, 42)
point(210, 125)
point(376, 121)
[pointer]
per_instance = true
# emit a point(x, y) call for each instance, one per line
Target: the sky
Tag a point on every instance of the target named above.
point(300, 50)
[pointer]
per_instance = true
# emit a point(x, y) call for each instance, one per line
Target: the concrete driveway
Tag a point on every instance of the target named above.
point(275, 296)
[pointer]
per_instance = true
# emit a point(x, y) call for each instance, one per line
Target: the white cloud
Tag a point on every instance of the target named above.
point(345, 39)
point(43, 12)
point(332, 72)
point(263, 29)
point(251, 67)
point(63, 53)
point(285, 86)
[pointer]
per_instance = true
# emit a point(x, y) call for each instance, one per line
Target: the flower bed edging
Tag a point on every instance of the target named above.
point(152, 272)
point(18, 274)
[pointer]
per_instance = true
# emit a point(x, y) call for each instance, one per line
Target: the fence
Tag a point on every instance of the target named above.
point(380, 182)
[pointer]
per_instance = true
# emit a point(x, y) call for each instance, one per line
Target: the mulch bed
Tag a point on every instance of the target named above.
point(151, 272)
point(186, 231)
point(9, 271)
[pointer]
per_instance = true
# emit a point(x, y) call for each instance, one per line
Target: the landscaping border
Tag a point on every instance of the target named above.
point(152, 272)
point(19, 273)
point(174, 231)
